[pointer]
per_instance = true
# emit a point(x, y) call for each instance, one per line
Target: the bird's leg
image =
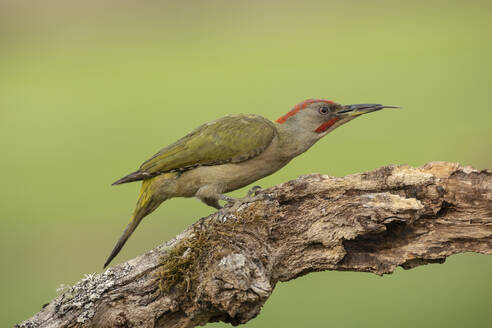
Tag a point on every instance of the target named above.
point(251, 196)
point(234, 204)
point(213, 202)
point(210, 196)
point(224, 213)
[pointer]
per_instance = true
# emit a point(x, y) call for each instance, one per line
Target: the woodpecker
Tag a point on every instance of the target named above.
point(230, 153)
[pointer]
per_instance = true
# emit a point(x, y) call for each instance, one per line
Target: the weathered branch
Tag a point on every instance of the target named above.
point(374, 222)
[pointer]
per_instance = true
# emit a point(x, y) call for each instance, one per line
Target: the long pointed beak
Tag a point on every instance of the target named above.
point(359, 109)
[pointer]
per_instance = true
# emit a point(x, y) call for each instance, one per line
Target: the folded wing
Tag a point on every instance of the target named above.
point(231, 139)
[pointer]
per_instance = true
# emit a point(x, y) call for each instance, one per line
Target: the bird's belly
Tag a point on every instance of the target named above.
point(226, 177)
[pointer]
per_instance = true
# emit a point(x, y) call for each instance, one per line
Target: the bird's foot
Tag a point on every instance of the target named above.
point(255, 195)
point(234, 204)
point(227, 212)
point(253, 191)
point(252, 196)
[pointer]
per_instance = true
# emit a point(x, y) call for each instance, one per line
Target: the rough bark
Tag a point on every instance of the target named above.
point(373, 222)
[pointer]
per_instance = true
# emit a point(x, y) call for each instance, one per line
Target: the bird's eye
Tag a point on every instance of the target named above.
point(324, 110)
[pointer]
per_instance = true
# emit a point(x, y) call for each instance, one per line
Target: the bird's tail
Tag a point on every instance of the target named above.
point(146, 204)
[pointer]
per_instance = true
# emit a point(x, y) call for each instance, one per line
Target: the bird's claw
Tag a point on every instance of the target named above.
point(228, 210)
point(253, 191)
point(254, 195)
point(234, 204)
point(230, 200)
point(224, 215)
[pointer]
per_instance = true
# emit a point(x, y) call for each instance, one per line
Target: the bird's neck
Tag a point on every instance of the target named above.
point(293, 140)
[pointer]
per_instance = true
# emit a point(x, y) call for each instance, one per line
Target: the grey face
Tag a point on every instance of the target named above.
point(322, 117)
point(319, 116)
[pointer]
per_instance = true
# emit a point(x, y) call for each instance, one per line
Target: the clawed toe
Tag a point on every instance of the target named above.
point(252, 192)
point(233, 204)
point(226, 213)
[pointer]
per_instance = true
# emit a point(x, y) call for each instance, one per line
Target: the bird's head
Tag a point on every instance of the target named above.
point(321, 116)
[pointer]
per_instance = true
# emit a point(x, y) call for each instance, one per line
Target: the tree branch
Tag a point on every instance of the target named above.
point(225, 271)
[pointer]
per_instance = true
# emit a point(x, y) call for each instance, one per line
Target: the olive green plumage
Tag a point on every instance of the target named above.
point(230, 139)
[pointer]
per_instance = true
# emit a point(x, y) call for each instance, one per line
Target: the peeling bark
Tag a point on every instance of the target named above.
point(372, 222)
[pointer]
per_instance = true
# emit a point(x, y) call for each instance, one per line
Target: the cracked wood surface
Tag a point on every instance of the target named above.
point(372, 222)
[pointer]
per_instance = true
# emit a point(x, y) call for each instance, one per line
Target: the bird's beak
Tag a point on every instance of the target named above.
point(359, 109)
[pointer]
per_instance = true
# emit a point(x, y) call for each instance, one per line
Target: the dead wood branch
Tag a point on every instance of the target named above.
point(376, 221)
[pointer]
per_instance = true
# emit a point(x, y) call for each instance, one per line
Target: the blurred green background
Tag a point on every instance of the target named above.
point(89, 90)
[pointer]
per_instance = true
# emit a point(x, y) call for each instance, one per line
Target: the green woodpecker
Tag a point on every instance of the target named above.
point(230, 153)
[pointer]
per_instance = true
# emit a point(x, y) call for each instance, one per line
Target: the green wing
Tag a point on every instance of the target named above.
point(234, 138)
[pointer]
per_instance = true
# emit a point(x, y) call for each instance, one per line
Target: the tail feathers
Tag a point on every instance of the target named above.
point(146, 204)
point(121, 242)
point(135, 176)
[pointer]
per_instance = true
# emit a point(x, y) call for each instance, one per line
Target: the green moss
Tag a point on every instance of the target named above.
point(182, 265)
